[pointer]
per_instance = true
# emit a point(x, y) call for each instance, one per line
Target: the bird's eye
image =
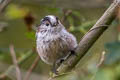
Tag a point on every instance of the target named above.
point(47, 24)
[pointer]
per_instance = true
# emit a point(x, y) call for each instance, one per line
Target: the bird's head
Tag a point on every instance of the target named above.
point(50, 23)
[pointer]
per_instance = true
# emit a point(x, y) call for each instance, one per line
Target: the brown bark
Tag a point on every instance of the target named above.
point(90, 38)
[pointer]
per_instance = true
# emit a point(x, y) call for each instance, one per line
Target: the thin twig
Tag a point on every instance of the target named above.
point(66, 14)
point(18, 73)
point(102, 58)
point(3, 4)
point(32, 67)
point(8, 72)
point(2, 77)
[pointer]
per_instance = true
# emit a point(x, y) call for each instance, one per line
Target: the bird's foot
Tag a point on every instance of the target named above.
point(72, 53)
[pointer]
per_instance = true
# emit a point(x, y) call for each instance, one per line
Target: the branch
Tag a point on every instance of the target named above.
point(90, 38)
point(102, 58)
point(3, 4)
point(32, 67)
point(10, 70)
point(18, 73)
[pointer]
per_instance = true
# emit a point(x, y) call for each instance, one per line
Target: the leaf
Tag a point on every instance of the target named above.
point(87, 25)
point(113, 54)
point(104, 74)
point(71, 21)
point(15, 12)
point(30, 35)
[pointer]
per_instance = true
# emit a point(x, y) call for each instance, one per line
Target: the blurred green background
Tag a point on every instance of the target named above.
point(18, 22)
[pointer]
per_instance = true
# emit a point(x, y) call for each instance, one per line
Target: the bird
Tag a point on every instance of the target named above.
point(53, 41)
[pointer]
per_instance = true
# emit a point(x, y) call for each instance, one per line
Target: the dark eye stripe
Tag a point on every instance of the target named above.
point(46, 19)
point(57, 18)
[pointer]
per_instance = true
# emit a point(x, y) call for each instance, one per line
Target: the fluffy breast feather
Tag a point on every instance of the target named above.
point(54, 46)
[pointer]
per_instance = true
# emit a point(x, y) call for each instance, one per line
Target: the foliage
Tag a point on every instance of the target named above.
point(77, 23)
point(15, 12)
point(113, 55)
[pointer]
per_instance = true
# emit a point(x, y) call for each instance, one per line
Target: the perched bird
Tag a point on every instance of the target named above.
point(53, 40)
